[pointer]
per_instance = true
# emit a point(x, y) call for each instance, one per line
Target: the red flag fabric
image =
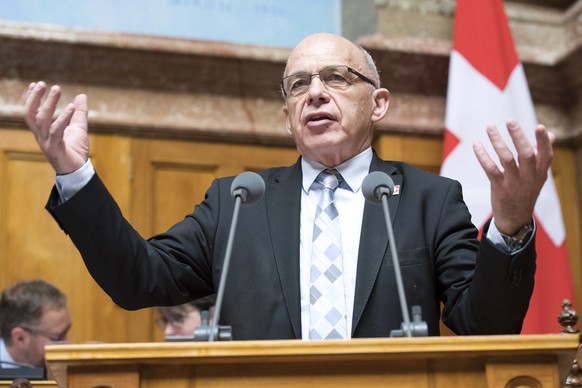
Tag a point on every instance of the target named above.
point(487, 85)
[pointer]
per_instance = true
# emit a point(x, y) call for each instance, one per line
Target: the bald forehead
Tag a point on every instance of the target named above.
point(320, 50)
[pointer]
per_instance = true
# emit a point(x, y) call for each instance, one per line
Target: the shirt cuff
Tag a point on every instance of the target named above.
point(70, 184)
point(495, 238)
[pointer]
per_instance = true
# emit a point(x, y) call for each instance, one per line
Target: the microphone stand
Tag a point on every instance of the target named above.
point(238, 194)
point(416, 328)
point(247, 188)
point(202, 332)
point(396, 264)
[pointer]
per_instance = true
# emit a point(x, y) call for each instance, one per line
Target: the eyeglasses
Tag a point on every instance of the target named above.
point(61, 337)
point(335, 77)
point(177, 322)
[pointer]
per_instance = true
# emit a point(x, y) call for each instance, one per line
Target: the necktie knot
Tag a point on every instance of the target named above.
point(330, 178)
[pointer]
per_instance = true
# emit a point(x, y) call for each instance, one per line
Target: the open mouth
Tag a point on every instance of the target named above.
point(318, 117)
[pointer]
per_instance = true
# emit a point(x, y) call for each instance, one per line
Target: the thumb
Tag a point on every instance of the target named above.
point(81, 110)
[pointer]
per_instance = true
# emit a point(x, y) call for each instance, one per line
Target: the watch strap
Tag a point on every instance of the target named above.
point(515, 241)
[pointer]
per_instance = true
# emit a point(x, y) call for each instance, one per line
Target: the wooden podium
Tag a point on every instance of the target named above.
point(475, 361)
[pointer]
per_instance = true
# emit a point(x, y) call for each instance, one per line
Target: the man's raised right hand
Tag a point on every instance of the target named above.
point(64, 141)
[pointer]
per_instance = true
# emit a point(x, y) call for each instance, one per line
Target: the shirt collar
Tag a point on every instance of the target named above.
point(353, 170)
point(5, 355)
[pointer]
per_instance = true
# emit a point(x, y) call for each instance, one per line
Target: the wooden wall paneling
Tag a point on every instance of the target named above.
point(170, 177)
point(111, 157)
point(565, 178)
point(176, 174)
point(32, 244)
point(420, 151)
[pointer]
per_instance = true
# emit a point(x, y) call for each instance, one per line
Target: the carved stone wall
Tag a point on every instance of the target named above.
point(548, 41)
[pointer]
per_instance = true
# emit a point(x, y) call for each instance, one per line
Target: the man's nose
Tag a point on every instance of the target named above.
point(317, 90)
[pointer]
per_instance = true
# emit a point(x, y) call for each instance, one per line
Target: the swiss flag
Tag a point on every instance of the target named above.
point(487, 85)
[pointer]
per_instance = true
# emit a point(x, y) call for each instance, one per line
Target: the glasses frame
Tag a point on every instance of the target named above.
point(50, 336)
point(350, 70)
point(162, 322)
point(177, 322)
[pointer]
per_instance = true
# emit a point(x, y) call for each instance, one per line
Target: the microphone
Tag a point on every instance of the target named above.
point(247, 188)
point(377, 187)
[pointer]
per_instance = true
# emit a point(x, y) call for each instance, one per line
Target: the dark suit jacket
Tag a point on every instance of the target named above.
point(483, 290)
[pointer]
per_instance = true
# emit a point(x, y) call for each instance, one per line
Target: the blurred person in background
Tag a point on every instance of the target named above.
point(181, 320)
point(33, 313)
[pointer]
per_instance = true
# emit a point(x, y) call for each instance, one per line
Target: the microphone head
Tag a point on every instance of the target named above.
point(376, 185)
point(249, 186)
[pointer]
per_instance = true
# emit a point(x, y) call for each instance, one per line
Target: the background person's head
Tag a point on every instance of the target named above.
point(331, 116)
point(183, 319)
point(33, 314)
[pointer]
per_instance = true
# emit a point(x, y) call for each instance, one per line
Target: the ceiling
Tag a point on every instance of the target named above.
point(556, 4)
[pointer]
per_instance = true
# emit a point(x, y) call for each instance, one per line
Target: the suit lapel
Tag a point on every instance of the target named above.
point(283, 199)
point(373, 241)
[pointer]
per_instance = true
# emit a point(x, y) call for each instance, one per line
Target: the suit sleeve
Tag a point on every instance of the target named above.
point(492, 299)
point(168, 269)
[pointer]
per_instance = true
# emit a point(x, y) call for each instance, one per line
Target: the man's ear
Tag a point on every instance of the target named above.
point(382, 101)
point(19, 336)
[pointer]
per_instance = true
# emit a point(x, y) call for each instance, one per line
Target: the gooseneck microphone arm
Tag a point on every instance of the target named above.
point(377, 187)
point(247, 188)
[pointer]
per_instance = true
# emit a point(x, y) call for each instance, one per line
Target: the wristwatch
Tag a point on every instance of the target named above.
point(517, 239)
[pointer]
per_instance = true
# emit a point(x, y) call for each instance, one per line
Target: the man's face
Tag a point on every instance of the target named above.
point(180, 320)
point(53, 327)
point(330, 125)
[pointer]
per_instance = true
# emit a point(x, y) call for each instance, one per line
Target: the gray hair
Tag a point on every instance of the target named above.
point(373, 74)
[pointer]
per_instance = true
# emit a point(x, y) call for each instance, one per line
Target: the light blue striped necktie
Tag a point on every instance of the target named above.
point(327, 290)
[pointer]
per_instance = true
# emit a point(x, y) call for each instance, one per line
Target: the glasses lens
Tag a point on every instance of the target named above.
point(335, 77)
point(175, 320)
point(297, 84)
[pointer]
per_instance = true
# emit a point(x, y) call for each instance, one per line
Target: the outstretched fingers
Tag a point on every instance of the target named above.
point(34, 95)
point(45, 114)
point(544, 150)
point(487, 164)
point(526, 153)
point(506, 158)
point(79, 117)
point(54, 135)
point(64, 139)
point(517, 181)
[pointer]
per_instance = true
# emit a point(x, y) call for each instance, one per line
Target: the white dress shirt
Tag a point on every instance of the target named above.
point(349, 202)
point(5, 356)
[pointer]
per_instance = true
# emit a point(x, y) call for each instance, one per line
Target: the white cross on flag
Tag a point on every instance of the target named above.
point(487, 85)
